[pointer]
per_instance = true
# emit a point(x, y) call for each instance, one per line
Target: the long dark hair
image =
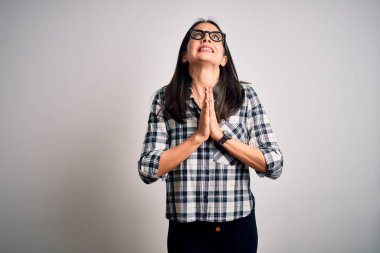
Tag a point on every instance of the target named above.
point(228, 92)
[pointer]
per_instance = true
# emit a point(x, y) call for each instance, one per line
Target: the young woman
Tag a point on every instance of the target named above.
point(205, 130)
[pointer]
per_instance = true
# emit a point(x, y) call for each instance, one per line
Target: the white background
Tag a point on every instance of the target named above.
point(76, 82)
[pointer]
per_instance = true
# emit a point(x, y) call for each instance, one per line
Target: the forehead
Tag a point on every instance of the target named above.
point(206, 27)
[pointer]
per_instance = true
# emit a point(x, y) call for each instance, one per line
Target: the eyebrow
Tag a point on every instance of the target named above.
point(206, 31)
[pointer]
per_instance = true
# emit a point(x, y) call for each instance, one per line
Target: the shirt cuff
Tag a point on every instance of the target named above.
point(274, 161)
point(148, 166)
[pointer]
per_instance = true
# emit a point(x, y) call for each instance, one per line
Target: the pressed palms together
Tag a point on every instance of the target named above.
point(208, 123)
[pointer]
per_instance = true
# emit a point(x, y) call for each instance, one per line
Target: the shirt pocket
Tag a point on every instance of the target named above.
point(238, 131)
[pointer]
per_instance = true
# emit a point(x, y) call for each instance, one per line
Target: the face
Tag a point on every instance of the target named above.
point(214, 54)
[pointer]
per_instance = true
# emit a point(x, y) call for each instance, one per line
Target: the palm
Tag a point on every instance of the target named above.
point(215, 131)
point(204, 120)
point(208, 123)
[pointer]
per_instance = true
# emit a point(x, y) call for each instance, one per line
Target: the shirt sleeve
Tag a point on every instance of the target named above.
point(156, 141)
point(261, 136)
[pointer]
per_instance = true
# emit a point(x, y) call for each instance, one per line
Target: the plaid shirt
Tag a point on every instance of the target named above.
point(210, 185)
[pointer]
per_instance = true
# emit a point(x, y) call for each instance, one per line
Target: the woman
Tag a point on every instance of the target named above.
point(205, 129)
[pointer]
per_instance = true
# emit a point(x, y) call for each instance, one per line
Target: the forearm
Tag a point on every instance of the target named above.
point(249, 155)
point(171, 158)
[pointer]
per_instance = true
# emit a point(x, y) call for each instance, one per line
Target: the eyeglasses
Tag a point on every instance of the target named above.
point(200, 34)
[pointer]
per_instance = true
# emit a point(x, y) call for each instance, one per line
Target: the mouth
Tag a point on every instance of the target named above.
point(205, 49)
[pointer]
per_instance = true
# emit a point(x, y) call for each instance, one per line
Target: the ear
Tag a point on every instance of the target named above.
point(184, 58)
point(224, 61)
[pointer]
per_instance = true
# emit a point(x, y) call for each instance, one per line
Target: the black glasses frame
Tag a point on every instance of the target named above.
point(209, 34)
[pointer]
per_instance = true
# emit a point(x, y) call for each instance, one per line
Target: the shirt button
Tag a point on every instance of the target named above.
point(217, 229)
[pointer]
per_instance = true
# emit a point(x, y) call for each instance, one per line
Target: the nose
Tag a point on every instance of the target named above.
point(206, 38)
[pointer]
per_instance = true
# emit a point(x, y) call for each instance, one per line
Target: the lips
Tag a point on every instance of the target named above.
point(205, 48)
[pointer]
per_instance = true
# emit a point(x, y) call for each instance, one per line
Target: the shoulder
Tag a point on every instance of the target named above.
point(158, 97)
point(249, 91)
point(157, 100)
point(250, 96)
point(159, 94)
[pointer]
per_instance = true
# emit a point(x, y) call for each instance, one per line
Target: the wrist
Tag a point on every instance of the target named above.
point(225, 137)
point(198, 138)
point(218, 135)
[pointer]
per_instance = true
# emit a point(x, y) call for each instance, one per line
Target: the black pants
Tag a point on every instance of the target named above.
point(238, 236)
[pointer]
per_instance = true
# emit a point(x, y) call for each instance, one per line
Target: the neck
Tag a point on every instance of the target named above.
point(203, 76)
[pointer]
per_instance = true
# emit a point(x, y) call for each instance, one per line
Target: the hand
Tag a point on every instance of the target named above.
point(204, 120)
point(216, 132)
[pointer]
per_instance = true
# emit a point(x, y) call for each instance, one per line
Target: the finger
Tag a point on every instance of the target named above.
point(211, 98)
point(207, 98)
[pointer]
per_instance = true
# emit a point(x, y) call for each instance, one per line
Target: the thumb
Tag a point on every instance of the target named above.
point(207, 99)
point(211, 99)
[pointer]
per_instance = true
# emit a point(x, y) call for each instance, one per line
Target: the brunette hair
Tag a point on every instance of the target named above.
point(228, 92)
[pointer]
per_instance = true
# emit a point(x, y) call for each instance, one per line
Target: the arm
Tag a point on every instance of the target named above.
point(171, 158)
point(157, 159)
point(264, 156)
point(156, 141)
point(261, 136)
point(249, 155)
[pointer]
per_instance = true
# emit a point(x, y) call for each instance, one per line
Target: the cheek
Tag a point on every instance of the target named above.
point(191, 47)
point(221, 49)
point(220, 52)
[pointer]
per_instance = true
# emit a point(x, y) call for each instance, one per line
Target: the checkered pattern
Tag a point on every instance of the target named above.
point(210, 185)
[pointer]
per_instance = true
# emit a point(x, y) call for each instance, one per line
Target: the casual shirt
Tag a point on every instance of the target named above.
point(210, 185)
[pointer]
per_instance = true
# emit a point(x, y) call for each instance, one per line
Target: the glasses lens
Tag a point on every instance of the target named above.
point(197, 35)
point(216, 36)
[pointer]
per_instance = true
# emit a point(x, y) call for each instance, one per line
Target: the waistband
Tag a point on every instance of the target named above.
point(207, 224)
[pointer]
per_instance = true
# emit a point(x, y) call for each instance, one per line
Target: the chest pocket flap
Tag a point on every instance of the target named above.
point(238, 131)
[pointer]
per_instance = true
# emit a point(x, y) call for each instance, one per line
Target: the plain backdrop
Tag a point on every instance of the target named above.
point(76, 83)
